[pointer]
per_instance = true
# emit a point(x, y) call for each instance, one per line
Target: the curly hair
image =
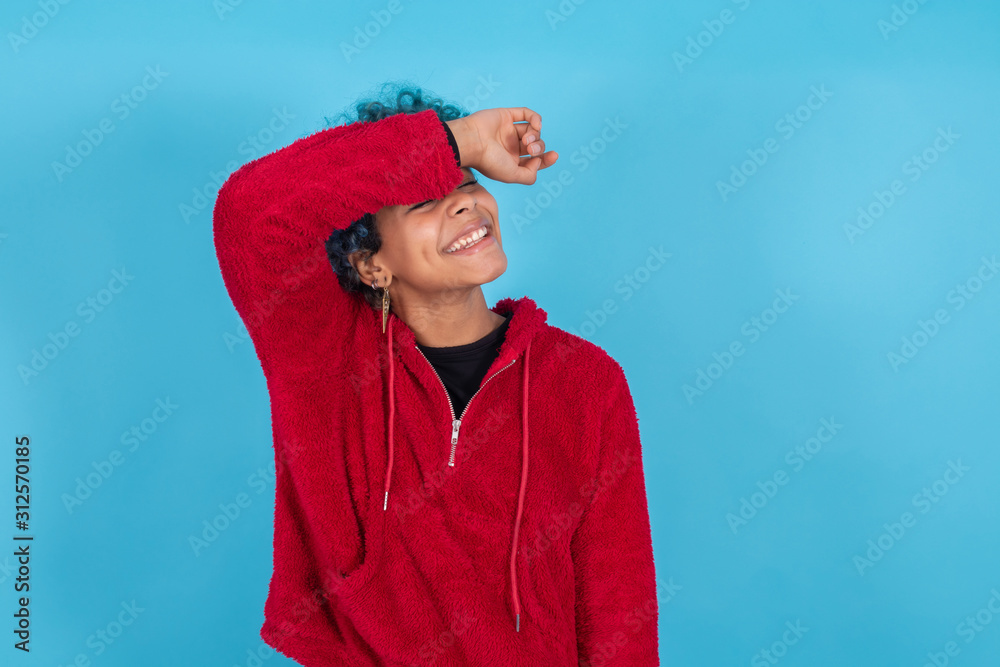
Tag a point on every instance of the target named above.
point(362, 235)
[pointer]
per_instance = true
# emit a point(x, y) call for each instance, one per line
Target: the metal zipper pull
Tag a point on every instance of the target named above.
point(454, 440)
point(455, 423)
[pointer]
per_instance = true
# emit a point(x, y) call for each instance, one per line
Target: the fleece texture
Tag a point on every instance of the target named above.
point(518, 535)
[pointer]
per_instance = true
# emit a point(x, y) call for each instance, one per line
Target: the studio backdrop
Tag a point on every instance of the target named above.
point(780, 218)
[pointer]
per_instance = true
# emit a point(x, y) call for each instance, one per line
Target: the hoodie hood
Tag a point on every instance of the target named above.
point(527, 320)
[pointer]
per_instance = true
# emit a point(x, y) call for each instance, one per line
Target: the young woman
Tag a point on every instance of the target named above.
point(455, 484)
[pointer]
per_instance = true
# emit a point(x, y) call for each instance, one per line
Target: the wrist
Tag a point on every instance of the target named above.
point(467, 140)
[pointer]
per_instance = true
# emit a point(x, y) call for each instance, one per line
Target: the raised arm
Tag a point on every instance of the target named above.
point(273, 215)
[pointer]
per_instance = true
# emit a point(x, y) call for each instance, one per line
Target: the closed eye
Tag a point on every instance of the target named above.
point(429, 201)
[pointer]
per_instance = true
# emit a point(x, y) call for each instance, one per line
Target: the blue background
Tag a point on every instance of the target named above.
point(728, 586)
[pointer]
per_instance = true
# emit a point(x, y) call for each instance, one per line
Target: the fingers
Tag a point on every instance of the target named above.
point(528, 128)
point(546, 159)
point(532, 117)
point(527, 169)
point(525, 132)
point(528, 125)
point(530, 138)
point(533, 147)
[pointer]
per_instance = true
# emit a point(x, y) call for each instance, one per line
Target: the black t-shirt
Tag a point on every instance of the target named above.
point(463, 367)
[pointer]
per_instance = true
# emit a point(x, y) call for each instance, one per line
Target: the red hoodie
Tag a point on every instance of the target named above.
point(516, 535)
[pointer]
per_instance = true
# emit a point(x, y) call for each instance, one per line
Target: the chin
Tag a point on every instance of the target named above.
point(497, 267)
point(490, 272)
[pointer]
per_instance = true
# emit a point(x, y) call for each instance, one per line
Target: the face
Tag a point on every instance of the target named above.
point(419, 245)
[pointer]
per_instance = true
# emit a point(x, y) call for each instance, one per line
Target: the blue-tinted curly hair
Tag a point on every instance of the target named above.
point(362, 235)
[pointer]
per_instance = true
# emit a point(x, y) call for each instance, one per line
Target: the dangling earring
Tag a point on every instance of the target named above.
point(385, 303)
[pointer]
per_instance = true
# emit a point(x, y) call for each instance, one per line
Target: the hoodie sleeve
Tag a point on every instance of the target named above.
point(273, 215)
point(612, 549)
point(271, 221)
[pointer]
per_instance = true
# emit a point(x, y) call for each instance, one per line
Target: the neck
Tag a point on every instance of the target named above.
point(449, 319)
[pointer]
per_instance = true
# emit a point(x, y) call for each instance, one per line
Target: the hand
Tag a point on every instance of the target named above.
point(492, 141)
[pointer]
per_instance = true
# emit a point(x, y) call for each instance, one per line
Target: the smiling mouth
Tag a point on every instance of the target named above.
point(469, 241)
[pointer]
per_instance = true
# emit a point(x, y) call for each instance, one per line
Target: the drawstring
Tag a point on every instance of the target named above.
point(392, 415)
point(524, 467)
point(520, 496)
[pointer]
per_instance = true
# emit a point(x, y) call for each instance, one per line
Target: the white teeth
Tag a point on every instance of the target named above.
point(468, 240)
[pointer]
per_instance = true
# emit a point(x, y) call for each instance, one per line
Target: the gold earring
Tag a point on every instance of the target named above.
point(385, 303)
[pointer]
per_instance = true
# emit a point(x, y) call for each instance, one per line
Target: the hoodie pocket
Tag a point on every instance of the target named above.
point(408, 602)
point(354, 581)
point(548, 590)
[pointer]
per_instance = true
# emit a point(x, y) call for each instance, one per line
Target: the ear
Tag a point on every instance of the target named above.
point(366, 264)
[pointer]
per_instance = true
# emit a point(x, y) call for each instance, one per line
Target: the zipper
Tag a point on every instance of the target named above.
point(456, 423)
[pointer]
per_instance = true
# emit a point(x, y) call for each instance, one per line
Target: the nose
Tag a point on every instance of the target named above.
point(461, 202)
